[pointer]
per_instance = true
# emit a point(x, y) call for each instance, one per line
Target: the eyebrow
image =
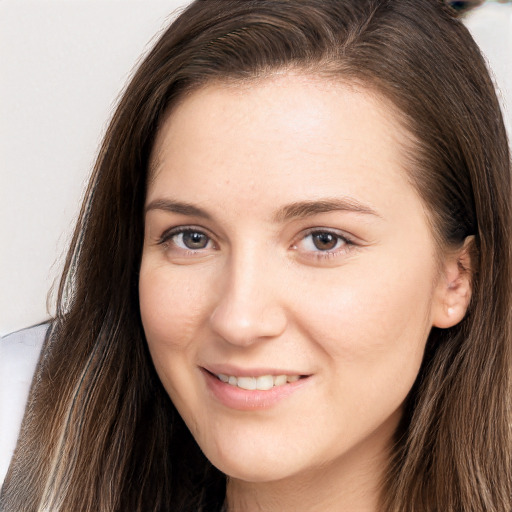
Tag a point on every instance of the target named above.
point(301, 209)
point(170, 205)
point(304, 209)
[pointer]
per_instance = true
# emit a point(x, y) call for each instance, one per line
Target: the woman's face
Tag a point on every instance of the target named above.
point(285, 250)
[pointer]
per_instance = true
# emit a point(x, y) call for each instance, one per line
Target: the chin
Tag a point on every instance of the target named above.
point(253, 467)
point(253, 474)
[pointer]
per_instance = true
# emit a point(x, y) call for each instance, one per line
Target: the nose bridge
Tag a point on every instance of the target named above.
point(249, 306)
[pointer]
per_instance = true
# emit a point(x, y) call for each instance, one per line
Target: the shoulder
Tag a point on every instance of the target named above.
point(27, 342)
point(19, 353)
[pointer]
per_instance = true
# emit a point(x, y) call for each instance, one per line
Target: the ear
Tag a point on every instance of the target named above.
point(453, 290)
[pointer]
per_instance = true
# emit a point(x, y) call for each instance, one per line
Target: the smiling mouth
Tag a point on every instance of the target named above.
point(261, 383)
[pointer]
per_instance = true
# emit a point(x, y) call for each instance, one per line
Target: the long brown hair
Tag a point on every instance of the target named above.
point(100, 432)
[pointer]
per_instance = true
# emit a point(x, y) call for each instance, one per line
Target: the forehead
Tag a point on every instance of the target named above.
point(276, 99)
point(286, 135)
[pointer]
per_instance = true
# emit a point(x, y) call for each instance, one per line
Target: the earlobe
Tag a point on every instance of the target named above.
point(453, 291)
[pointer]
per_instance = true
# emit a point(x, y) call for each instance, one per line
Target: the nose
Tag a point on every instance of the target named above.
point(249, 307)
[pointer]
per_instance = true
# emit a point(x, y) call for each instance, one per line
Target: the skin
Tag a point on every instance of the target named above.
point(259, 291)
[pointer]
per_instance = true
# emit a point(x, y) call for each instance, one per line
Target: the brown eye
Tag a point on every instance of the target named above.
point(324, 241)
point(193, 240)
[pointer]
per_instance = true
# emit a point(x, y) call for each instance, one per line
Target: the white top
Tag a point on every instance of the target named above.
point(19, 353)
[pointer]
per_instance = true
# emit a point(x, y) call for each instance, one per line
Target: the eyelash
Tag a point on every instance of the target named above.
point(347, 244)
point(168, 235)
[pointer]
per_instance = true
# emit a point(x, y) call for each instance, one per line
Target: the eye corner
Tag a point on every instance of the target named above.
point(187, 241)
point(306, 247)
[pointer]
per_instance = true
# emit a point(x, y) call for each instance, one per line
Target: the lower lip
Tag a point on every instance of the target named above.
point(250, 400)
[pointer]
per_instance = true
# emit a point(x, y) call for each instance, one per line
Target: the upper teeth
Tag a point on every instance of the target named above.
point(262, 383)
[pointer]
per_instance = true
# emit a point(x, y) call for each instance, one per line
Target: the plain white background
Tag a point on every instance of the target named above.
point(62, 66)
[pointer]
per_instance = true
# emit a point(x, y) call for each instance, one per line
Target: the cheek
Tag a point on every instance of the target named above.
point(172, 309)
point(372, 325)
point(172, 313)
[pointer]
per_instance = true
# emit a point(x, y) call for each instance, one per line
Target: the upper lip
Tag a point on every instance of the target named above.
point(236, 371)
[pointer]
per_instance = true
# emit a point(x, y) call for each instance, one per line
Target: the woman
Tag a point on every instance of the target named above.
point(289, 284)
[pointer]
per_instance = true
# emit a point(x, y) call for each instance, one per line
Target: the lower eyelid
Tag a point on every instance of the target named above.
point(169, 234)
point(346, 247)
point(347, 243)
point(172, 249)
point(340, 238)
